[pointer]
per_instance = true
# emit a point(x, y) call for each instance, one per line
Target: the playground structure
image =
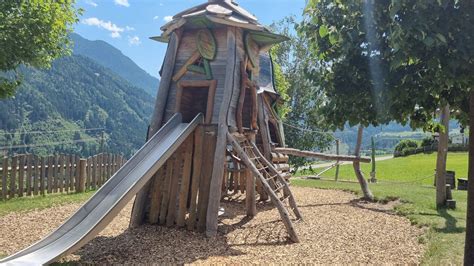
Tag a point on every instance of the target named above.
point(214, 121)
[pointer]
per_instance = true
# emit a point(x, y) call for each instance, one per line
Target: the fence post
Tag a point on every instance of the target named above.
point(81, 177)
point(337, 166)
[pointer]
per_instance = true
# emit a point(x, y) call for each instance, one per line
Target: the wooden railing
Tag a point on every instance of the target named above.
point(29, 175)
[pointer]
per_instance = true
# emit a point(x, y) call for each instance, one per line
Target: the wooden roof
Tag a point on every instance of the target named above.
point(220, 12)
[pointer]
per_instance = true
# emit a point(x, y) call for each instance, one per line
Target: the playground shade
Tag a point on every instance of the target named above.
point(100, 210)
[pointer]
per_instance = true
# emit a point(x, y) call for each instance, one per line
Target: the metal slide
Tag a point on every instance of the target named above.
point(109, 200)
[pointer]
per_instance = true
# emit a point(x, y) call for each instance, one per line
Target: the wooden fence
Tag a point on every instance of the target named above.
point(29, 175)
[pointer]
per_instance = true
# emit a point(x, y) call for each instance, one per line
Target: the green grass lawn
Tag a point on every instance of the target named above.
point(445, 228)
point(41, 202)
point(417, 168)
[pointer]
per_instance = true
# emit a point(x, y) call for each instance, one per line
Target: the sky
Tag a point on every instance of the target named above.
point(128, 24)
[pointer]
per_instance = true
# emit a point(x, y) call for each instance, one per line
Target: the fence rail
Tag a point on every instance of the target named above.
point(29, 175)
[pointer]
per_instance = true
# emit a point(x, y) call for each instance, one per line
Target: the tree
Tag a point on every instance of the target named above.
point(299, 113)
point(424, 53)
point(32, 33)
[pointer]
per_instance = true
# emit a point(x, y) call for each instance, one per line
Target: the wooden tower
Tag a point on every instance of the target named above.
point(217, 64)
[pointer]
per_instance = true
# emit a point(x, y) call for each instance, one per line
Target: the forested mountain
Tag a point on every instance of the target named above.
point(112, 58)
point(76, 93)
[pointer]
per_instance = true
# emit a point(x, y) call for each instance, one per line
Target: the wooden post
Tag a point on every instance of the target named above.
point(72, 173)
point(43, 175)
point(36, 180)
point(196, 177)
point(81, 176)
point(50, 174)
point(231, 82)
point(442, 157)
point(29, 174)
point(21, 176)
point(13, 176)
point(61, 174)
point(250, 196)
point(5, 178)
point(186, 180)
point(337, 153)
point(67, 172)
point(94, 172)
point(57, 173)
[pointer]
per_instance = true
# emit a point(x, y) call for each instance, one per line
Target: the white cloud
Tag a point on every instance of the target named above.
point(156, 17)
point(135, 40)
point(106, 25)
point(122, 3)
point(168, 18)
point(91, 3)
point(128, 28)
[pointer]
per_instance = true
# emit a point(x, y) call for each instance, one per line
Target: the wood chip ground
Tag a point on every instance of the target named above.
point(337, 229)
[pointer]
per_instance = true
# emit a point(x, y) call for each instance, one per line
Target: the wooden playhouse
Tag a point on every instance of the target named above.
point(217, 64)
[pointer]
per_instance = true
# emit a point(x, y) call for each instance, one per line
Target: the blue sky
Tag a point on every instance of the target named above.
point(127, 24)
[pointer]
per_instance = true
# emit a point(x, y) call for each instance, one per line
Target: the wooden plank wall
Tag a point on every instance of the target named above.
point(29, 175)
point(186, 48)
point(180, 190)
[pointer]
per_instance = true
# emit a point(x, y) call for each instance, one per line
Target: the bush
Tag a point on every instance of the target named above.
point(428, 142)
point(404, 144)
point(408, 151)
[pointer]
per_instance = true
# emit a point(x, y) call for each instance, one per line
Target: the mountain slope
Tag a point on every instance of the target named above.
point(112, 58)
point(75, 93)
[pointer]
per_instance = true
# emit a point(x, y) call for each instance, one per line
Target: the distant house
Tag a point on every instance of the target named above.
point(458, 138)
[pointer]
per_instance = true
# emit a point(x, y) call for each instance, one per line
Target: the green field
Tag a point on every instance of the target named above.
point(403, 178)
point(418, 169)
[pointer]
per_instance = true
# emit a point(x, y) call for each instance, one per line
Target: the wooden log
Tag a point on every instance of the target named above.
point(81, 176)
point(279, 158)
point(166, 191)
point(5, 178)
point(209, 146)
point(21, 176)
point(156, 196)
point(263, 125)
point(94, 172)
point(13, 174)
point(327, 157)
point(170, 218)
point(240, 106)
point(29, 174)
point(196, 177)
point(254, 115)
point(37, 177)
point(336, 177)
point(42, 176)
point(219, 154)
point(57, 174)
point(89, 173)
point(185, 182)
point(250, 198)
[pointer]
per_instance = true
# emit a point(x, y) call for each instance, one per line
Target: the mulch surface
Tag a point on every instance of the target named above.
point(337, 229)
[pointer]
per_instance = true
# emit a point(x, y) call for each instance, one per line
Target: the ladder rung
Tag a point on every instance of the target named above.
point(255, 158)
point(260, 169)
point(279, 188)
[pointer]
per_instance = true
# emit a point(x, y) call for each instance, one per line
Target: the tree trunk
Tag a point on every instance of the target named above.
point(363, 183)
point(469, 248)
point(442, 157)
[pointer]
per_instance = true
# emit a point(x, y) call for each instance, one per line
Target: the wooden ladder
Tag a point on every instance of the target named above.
point(273, 182)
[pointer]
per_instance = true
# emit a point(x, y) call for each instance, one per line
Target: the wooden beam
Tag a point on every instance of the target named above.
point(220, 151)
point(196, 176)
point(328, 157)
point(182, 71)
point(138, 211)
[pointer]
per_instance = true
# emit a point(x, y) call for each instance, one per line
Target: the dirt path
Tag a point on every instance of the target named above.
point(337, 228)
